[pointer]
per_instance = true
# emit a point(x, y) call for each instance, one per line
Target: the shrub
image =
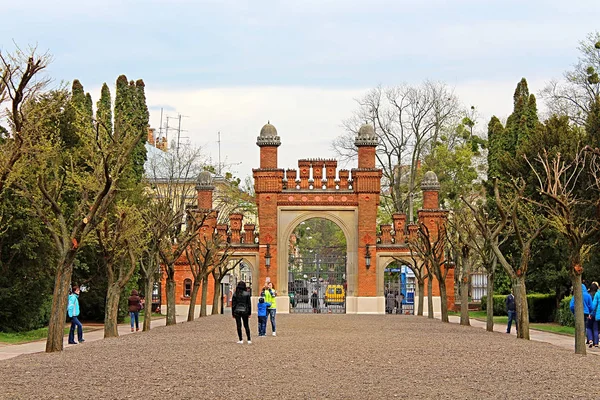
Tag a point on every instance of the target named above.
point(541, 306)
point(499, 304)
point(564, 316)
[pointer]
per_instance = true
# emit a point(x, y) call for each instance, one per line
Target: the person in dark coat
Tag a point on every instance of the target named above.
point(241, 308)
point(511, 310)
point(314, 299)
point(135, 305)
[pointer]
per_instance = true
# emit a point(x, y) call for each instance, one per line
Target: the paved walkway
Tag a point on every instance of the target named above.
point(564, 341)
point(9, 351)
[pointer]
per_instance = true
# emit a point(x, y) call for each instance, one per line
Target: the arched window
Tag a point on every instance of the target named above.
point(187, 288)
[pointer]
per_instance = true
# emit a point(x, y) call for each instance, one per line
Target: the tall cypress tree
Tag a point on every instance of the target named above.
point(104, 110)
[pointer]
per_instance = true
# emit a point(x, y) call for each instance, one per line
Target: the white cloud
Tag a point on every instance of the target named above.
point(307, 119)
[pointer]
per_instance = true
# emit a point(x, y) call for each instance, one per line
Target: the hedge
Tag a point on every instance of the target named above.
point(542, 307)
point(564, 316)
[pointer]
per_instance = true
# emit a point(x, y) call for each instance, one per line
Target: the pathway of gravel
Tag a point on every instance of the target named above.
point(313, 356)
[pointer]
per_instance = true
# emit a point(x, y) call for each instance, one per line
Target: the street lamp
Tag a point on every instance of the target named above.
point(268, 258)
point(367, 257)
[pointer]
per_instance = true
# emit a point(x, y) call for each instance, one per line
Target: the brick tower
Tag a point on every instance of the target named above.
point(268, 182)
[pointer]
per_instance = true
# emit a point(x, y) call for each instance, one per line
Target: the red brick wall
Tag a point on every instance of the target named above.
point(268, 157)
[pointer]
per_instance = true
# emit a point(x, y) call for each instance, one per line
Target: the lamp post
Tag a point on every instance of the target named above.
point(268, 258)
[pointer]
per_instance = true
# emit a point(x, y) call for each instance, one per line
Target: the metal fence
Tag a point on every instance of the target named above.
point(317, 284)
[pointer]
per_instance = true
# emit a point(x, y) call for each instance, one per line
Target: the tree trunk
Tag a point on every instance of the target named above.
point(522, 308)
point(443, 299)
point(430, 297)
point(421, 285)
point(60, 297)
point(171, 317)
point(148, 306)
point(216, 297)
point(204, 296)
point(464, 300)
point(193, 297)
point(579, 319)
point(490, 302)
point(113, 295)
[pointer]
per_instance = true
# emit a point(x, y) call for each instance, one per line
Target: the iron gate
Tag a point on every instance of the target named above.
point(317, 284)
point(399, 290)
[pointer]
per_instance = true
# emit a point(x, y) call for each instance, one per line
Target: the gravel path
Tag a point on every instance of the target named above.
point(313, 356)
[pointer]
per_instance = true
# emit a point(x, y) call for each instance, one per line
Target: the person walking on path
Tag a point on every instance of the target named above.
point(270, 295)
point(135, 305)
point(594, 317)
point(73, 312)
point(262, 316)
point(511, 310)
point(242, 310)
point(587, 308)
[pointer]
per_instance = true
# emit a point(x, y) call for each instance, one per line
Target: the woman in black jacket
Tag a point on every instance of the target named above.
point(241, 308)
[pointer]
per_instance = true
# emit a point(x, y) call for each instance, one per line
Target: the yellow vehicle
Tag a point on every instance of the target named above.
point(335, 294)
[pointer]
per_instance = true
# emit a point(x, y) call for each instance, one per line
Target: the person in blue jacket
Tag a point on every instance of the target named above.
point(587, 306)
point(594, 317)
point(73, 311)
point(262, 316)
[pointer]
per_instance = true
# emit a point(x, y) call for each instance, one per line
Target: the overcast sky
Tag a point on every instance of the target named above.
point(230, 66)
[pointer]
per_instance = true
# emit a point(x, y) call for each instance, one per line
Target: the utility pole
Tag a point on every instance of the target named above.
point(219, 142)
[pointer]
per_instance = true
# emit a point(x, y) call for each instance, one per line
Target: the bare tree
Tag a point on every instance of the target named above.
point(488, 232)
point(417, 266)
point(224, 265)
point(121, 241)
point(571, 215)
point(581, 85)
point(172, 178)
point(430, 245)
point(407, 120)
point(527, 226)
point(20, 82)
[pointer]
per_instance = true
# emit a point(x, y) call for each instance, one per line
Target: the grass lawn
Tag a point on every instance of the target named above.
point(141, 318)
point(42, 333)
point(31, 336)
point(503, 320)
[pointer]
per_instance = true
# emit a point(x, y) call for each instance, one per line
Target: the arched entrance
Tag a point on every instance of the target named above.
point(317, 268)
point(399, 288)
point(339, 266)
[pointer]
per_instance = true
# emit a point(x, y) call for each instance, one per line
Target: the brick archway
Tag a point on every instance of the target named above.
point(345, 218)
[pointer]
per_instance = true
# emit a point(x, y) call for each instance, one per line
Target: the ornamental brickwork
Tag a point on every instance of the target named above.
point(350, 198)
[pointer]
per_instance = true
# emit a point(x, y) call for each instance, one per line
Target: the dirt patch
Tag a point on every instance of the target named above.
point(313, 356)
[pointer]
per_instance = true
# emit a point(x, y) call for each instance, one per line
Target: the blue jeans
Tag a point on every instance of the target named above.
point(135, 315)
point(262, 326)
point(591, 328)
point(272, 312)
point(512, 316)
point(75, 323)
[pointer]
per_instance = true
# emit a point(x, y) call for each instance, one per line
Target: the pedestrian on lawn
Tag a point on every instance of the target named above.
point(242, 310)
point(135, 305)
point(594, 316)
point(270, 295)
point(262, 316)
point(73, 311)
point(511, 310)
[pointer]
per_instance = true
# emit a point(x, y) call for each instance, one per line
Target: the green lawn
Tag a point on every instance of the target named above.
point(30, 336)
point(42, 333)
point(503, 320)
